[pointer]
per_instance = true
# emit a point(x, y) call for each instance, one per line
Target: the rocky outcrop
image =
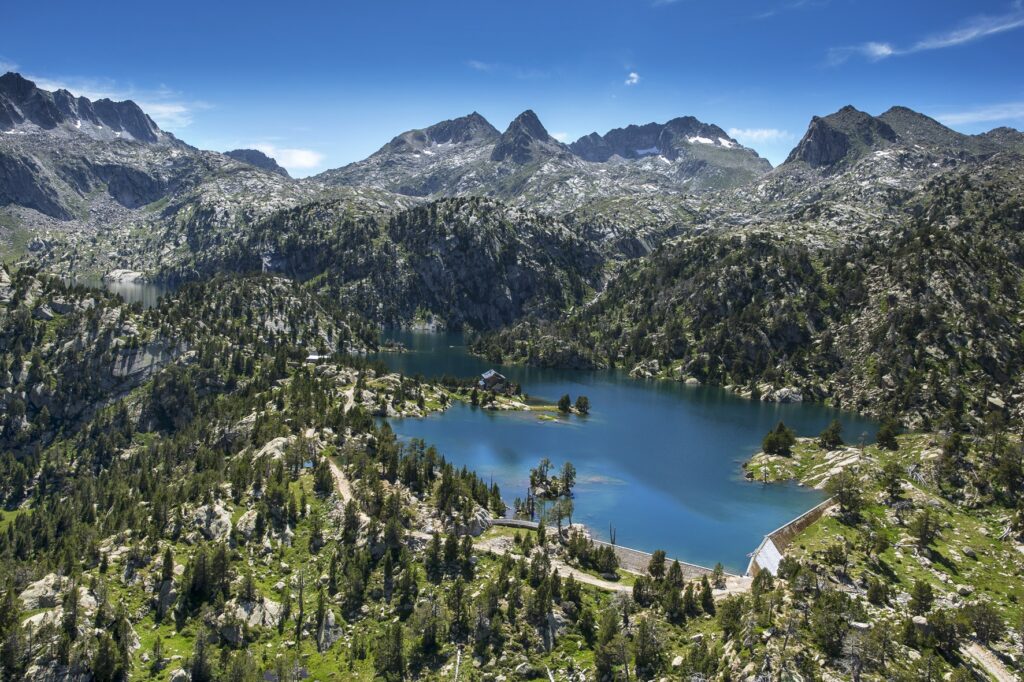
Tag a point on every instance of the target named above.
point(212, 520)
point(246, 524)
point(239, 614)
point(45, 593)
point(275, 448)
point(257, 158)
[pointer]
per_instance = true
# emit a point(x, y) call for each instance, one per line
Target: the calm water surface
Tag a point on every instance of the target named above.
point(656, 460)
point(145, 293)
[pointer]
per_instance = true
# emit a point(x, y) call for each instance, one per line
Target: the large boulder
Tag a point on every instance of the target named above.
point(45, 593)
point(256, 613)
point(241, 614)
point(275, 448)
point(246, 524)
point(179, 675)
point(212, 520)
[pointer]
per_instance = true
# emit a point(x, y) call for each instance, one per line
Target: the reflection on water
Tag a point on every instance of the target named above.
point(656, 460)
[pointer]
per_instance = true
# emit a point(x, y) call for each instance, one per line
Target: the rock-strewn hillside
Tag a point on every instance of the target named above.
point(458, 262)
point(67, 352)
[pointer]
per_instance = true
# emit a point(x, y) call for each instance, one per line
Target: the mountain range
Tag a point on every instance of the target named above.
point(620, 237)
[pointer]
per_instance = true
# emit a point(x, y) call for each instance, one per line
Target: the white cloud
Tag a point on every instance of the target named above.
point(6, 65)
point(633, 78)
point(561, 137)
point(790, 6)
point(168, 115)
point(507, 70)
point(760, 134)
point(975, 28)
point(1008, 111)
point(292, 159)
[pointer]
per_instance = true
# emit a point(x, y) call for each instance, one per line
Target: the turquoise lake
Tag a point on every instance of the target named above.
point(657, 460)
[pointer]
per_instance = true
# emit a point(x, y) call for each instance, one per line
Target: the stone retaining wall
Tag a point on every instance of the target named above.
point(773, 546)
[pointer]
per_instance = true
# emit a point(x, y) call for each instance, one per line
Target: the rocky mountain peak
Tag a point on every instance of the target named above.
point(666, 139)
point(470, 129)
point(525, 140)
point(22, 102)
point(844, 135)
point(255, 157)
point(915, 128)
point(528, 123)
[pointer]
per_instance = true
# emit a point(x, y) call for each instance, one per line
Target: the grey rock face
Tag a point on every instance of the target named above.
point(24, 182)
point(469, 129)
point(526, 141)
point(22, 102)
point(844, 135)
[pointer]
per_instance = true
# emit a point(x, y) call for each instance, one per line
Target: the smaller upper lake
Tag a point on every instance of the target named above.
point(657, 461)
point(145, 293)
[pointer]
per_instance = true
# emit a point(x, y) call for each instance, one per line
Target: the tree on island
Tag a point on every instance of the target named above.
point(546, 486)
point(779, 441)
point(568, 478)
point(564, 403)
point(583, 404)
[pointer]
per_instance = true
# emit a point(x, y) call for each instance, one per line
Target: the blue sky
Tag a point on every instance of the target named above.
point(322, 84)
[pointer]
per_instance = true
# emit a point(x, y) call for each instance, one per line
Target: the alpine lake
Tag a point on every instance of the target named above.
point(659, 463)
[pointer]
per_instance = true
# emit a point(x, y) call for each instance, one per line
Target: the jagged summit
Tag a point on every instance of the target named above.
point(22, 104)
point(526, 140)
point(255, 157)
point(849, 134)
point(844, 135)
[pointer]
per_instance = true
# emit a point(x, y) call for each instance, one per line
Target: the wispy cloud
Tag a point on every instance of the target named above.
point(662, 3)
point(292, 159)
point(169, 108)
point(789, 7)
point(1008, 111)
point(561, 137)
point(506, 69)
point(633, 78)
point(754, 135)
point(975, 28)
point(7, 65)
